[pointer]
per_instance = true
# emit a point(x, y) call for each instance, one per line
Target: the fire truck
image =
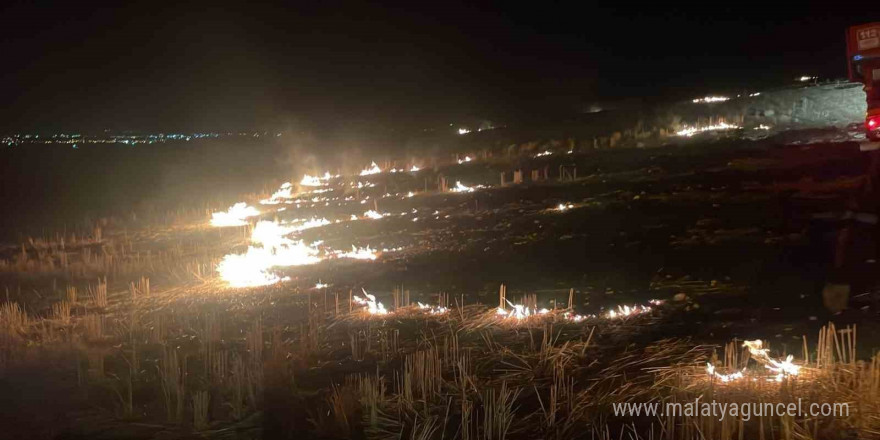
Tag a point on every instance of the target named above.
point(857, 244)
point(863, 55)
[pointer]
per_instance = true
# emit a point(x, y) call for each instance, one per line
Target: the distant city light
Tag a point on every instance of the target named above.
point(710, 99)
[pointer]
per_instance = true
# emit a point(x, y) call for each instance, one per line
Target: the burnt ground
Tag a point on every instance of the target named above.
point(737, 236)
point(739, 227)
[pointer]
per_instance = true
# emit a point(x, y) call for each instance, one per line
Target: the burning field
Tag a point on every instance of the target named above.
point(375, 303)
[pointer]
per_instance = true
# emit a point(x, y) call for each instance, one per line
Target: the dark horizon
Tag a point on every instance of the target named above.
point(357, 68)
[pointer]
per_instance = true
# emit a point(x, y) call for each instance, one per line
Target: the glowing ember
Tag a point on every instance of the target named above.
point(563, 207)
point(463, 131)
point(234, 216)
point(414, 169)
point(439, 310)
point(724, 377)
point(626, 311)
point(284, 193)
point(544, 153)
point(373, 215)
point(373, 169)
point(710, 99)
point(781, 368)
point(308, 180)
point(575, 317)
point(519, 311)
point(357, 253)
point(313, 223)
point(466, 159)
point(690, 131)
point(461, 188)
point(373, 307)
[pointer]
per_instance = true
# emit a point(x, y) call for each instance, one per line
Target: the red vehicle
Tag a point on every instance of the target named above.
point(863, 62)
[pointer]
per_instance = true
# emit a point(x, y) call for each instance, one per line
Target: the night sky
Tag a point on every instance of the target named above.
point(345, 66)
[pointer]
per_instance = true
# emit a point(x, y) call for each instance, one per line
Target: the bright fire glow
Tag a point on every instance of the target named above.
point(438, 310)
point(627, 311)
point(254, 267)
point(563, 207)
point(519, 311)
point(466, 159)
point(285, 192)
point(781, 368)
point(373, 307)
point(313, 223)
point(724, 377)
point(373, 215)
point(544, 153)
point(414, 169)
point(234, 216)
point(365, 253)
point(308, 180)
point(373, 169)
point(690, 131)
point(463, 131)
point(459, 188)
point(270, 234)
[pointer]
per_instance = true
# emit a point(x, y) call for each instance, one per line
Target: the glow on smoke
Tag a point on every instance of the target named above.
point(234, 216)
